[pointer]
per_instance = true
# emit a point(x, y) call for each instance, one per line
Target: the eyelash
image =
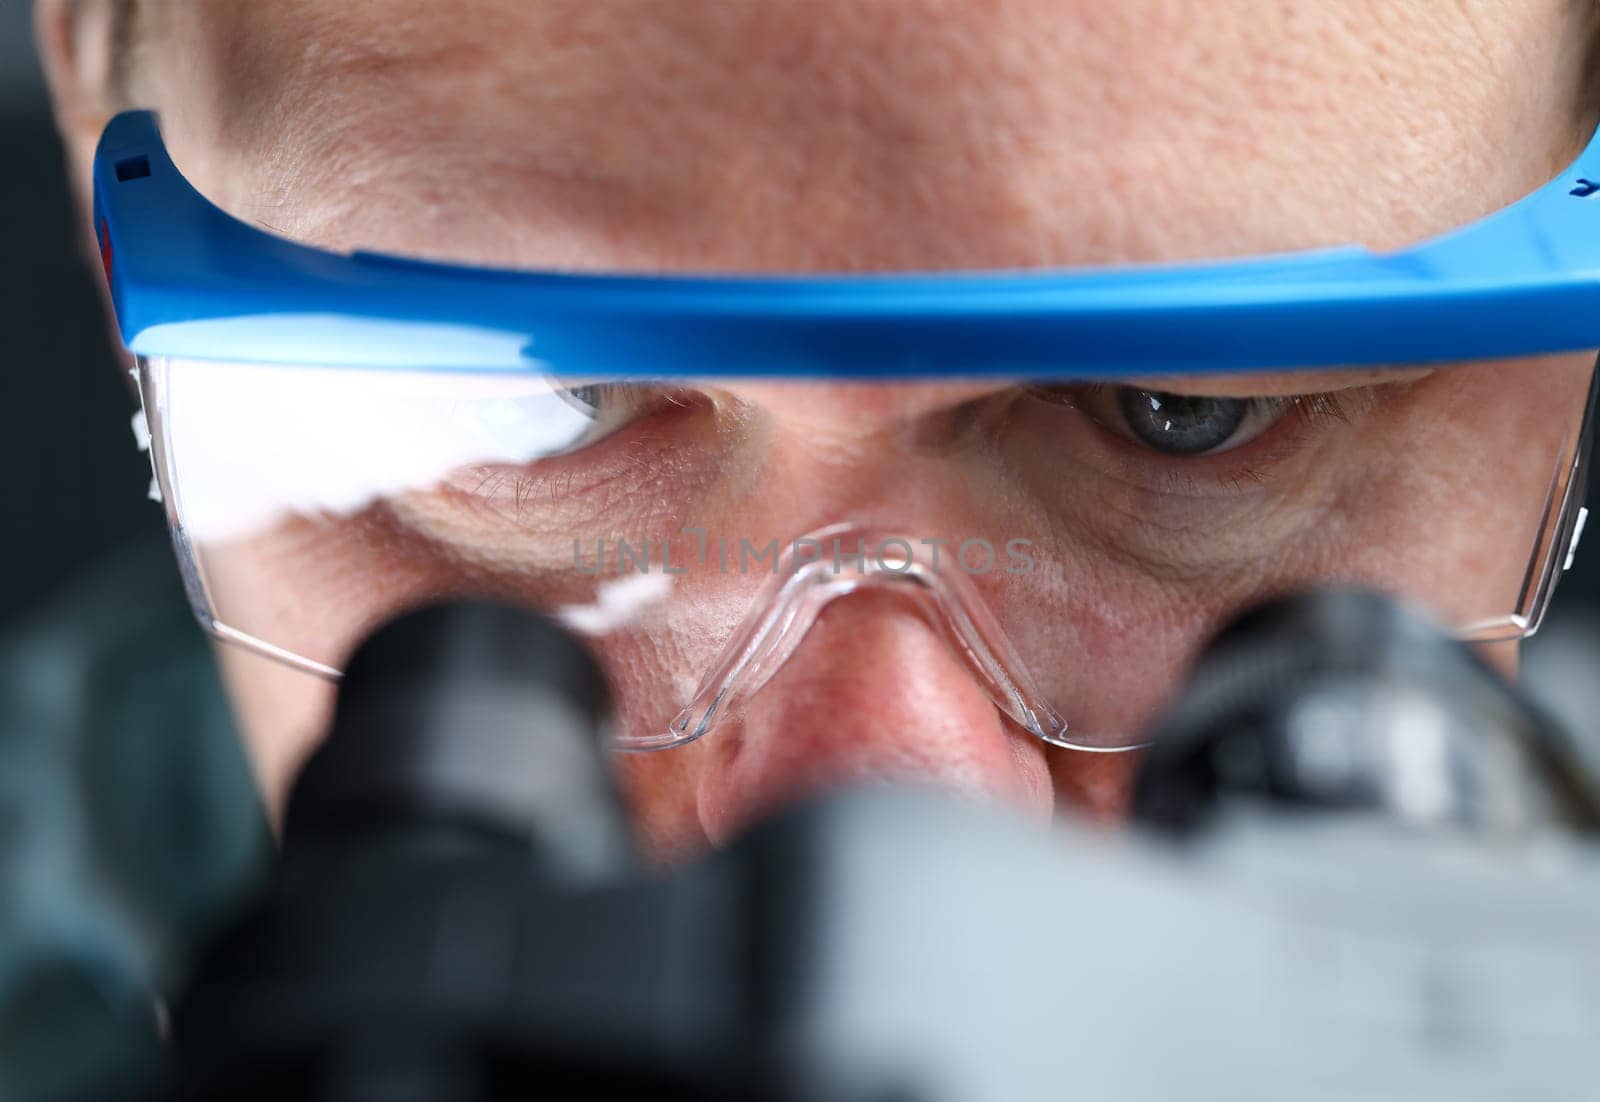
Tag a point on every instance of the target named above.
point(1311, 408)
point(1307, 411)
point(1308, 408)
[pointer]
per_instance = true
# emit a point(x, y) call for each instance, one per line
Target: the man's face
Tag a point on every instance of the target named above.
point(811, 135)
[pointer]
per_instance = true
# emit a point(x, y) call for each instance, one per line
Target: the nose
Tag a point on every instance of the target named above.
point(872, 694)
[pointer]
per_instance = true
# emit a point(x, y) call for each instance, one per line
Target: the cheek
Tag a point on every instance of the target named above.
point(1464, 503)
point(659, 791)
point(282, 714)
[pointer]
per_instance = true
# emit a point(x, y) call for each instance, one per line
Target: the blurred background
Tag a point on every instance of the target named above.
point(128, 818)
point(126, 810)
point(77, 487)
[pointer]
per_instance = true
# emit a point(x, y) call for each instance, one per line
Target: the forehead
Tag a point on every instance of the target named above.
point(852, 135)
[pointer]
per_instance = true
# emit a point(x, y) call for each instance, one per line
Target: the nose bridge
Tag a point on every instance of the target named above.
point(870, 693)
point(876, 454)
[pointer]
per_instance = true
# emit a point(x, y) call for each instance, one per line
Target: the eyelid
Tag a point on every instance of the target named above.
point(1278, 384)
point(611, 406)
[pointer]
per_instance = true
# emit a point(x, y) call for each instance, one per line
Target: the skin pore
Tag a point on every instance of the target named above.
point(831, 135)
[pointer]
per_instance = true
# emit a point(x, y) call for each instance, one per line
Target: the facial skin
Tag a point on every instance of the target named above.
point(813, 135)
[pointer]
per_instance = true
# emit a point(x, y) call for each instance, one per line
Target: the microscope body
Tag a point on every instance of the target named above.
point(1293, 922)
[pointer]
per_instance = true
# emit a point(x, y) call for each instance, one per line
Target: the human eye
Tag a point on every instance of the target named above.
point(1184, 426)
point(555, 418)
point(607, 407)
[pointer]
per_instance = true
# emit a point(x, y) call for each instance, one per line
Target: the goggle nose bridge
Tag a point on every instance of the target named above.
point(787, 606)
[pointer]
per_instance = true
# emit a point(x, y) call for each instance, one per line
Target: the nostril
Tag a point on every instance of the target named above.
point(872, 694)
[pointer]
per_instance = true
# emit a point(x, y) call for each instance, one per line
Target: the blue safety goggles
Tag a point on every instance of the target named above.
point(492, 443)
point(189, 280)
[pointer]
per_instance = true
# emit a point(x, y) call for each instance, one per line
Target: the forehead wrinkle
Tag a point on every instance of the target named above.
point(922, 133)
point(892, 68)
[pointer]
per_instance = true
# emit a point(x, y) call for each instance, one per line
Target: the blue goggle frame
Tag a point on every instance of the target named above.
point(188, 280)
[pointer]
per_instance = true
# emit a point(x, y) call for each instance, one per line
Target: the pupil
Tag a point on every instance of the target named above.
point(1181, 424)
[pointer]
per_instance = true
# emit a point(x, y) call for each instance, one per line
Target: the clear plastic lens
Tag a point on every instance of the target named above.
point(1072, 542)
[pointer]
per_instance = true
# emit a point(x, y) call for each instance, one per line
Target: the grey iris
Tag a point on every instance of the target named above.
point(585, 399)
point(1181, 424)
